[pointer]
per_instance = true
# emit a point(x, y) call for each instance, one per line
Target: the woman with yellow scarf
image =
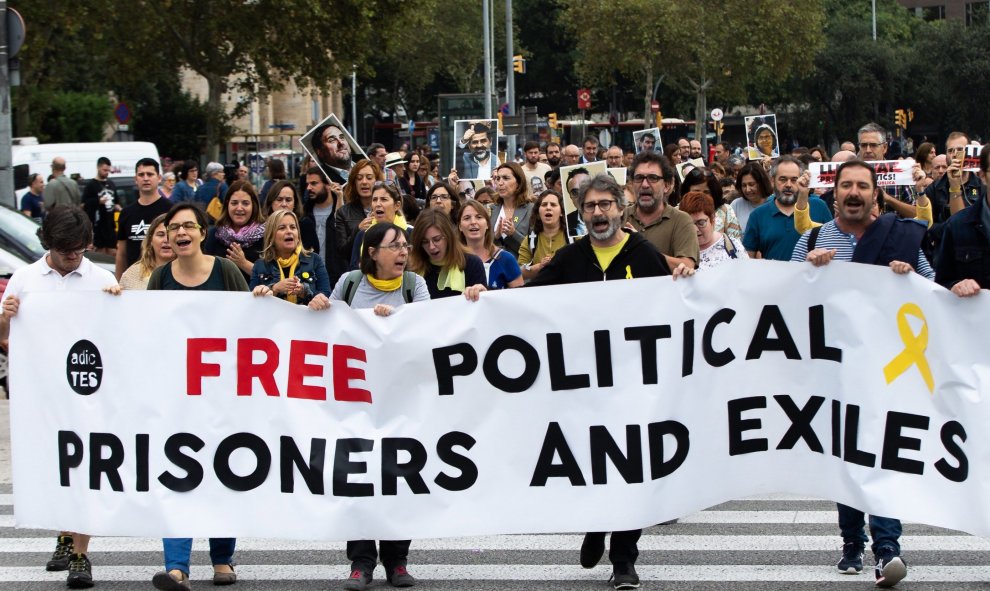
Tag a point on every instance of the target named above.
point(440, 258)
point(285, 268)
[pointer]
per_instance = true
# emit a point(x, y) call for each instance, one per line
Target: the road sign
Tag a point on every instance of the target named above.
point(584, 98)
point(654, 106)
point(257, 163)
point(122, 112)
point(717, 114)
point(15, 32)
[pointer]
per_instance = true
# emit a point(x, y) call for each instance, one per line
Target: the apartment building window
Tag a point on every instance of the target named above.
point(977, 12)
point(932, 13)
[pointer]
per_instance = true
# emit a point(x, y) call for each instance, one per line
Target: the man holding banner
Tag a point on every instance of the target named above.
point(855, 236)
point(609, 252)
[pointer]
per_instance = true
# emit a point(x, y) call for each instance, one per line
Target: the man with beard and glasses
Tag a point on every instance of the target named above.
point(608, 253)
point(667, 228)
point(770, 229)
point(553, 155)
point(854, 235)
point(477, 160)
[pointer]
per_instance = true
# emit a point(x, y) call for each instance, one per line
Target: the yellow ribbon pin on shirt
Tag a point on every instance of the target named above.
point(629, 272)
point(914, 347)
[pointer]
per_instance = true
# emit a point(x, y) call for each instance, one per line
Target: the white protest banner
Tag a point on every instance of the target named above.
point(971, 159)
point(889, 173)
point(555, 409)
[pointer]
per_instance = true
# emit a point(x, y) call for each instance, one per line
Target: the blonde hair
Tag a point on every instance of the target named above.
point(268, 252)
point(147, 259)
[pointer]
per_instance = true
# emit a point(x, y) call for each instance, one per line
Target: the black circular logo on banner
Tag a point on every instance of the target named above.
point(84, 368)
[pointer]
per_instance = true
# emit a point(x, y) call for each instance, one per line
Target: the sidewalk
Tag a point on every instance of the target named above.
point(5, 475)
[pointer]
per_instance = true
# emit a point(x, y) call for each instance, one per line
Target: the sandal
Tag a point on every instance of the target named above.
point(164, 581)
point(222, 578)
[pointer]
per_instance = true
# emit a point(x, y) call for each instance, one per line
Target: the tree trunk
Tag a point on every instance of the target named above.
point(215, 89)
point(701, 114)
point(648, 103)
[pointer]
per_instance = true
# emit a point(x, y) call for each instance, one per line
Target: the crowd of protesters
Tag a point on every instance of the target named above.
point(399, 233)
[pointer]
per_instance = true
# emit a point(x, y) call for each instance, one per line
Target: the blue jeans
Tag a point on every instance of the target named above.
point(178, 551)
point(884, 530)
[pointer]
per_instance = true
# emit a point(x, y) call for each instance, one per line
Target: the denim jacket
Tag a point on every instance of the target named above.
point(311, 272)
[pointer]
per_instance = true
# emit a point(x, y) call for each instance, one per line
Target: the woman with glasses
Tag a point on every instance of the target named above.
point(441, 196)
point(549, 234)
point(441, 259)
point(240, 231)
point(382, 284)
point(386, 207)
point(715, 247)
point(193, 269)
point(703, 181)
point(514, 204)
point(286, 269)
point(155, 252)
point(474, 226)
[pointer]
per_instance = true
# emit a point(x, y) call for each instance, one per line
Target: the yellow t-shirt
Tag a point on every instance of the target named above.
point(608, 253)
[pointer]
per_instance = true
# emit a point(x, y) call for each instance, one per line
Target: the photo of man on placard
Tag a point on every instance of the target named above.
point(648, 140)
point(332, 148)
point(474, 155)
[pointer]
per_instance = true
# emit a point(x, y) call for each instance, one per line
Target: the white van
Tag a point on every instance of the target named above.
point(28, 156)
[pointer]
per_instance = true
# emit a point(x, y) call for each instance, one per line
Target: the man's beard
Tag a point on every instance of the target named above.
point(332, 160)
point(553, 161)
point(319, 197)
point(651, 207)
point(481, 154)
point(613, 227)
point(787, 199)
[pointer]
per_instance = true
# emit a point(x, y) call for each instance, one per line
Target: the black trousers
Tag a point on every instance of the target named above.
point(364, 556)
point(622, 548)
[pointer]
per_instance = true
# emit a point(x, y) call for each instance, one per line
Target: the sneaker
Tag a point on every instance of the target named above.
point(890, 568)
point(592, 549)
point(357, 581)
point(80, 572)
point(63, 553)
point(624, 577)
point(852, 559)
point(400, 577)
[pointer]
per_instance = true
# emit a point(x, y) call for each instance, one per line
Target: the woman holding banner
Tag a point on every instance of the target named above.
point(286, 269)
point(383, 284)
point(475, 229)
point(192, 269)
point(440, 258)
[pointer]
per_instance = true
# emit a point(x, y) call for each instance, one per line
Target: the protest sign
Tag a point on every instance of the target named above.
point(971, 160)
point(761, 137)
point(619, 174)
point(475, 149)
point(890, 173)
point(648, 140)
point(580, 172)
point(848, 383)
point(332, 148)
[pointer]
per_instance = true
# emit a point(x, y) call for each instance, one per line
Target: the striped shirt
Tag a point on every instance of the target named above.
point(831, 237)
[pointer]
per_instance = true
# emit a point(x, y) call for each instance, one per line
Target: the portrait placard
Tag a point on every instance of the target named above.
point(332, 148)
point(761, 137)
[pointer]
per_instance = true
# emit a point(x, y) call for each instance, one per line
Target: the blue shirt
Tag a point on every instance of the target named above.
point(771, 232)
point(34, 204)
point(502, 270)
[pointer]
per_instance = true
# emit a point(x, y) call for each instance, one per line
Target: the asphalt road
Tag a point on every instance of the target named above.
point(770, 543)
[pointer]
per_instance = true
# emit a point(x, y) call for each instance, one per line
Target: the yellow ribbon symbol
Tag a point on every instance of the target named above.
point(914, 347)
point(629, 272)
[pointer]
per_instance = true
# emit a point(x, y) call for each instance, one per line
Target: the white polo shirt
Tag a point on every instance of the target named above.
point(38, 276)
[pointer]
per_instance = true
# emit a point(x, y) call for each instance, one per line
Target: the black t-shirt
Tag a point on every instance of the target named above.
point(213, 283)
point(101, 215)
point(133, 225)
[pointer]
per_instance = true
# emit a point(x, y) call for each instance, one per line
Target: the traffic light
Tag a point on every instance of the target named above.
point(552, 121)
point(900, 118)
point(659, 120)
point(718, 127)
point(518, 64)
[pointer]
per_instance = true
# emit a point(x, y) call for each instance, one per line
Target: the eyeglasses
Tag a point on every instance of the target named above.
point(870, 145)
point(701, 223)
point(435, 241)
point(651, 178)
point(604, 205)
point(439, 197)
point(396, 246)
point(187, 226)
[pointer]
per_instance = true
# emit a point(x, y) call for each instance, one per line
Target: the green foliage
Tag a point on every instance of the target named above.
point(74, 117)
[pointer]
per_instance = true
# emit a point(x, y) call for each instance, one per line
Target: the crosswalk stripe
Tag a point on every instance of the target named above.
point(560, 542)
point(550, 572)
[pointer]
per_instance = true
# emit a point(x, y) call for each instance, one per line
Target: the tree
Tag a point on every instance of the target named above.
point(702, 46)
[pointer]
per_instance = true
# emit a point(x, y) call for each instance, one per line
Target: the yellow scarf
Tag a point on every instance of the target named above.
point(452, 278)
point(385, 284)
point(292, 262)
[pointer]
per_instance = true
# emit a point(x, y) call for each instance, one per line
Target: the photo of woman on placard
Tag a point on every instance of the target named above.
point(762, 137)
